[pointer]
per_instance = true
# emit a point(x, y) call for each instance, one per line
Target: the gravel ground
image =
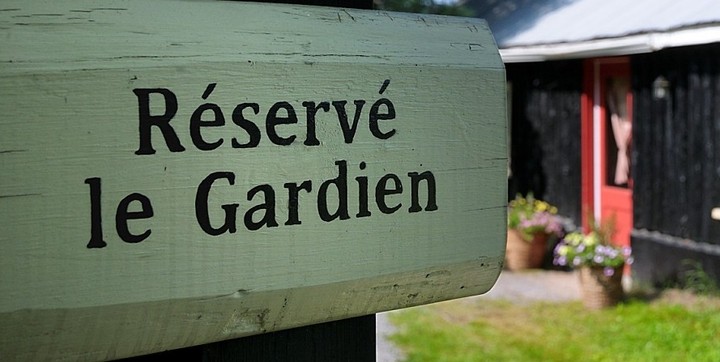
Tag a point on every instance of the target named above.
point(519, 287)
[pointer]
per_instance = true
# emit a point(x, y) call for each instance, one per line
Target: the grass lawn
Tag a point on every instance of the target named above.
point(675, 327)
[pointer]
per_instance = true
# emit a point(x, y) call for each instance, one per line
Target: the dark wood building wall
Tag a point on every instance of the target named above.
point(676, 142)
point(545, 133)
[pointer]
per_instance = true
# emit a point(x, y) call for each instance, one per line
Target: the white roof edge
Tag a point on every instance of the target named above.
point(631, 44)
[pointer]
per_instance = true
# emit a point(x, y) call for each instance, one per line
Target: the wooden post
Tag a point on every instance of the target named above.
point(349, 340)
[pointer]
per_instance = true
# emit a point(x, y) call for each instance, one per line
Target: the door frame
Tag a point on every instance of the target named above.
point(592, 135)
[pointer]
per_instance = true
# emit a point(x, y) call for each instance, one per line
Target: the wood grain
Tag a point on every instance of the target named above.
point(68, 113)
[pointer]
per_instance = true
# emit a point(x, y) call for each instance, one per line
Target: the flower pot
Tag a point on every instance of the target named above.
point(598, 289)
point(521, 254)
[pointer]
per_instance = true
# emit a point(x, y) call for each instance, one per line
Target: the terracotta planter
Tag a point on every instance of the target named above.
point(521, 254)
point(599, 290)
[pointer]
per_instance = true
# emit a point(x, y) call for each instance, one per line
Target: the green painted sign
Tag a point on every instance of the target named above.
point(181, 172)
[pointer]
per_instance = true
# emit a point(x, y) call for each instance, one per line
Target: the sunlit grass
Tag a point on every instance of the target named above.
point(482, 330)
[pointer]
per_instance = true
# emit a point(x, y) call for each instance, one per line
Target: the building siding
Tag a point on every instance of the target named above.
point(676, 150)
point(545, 133)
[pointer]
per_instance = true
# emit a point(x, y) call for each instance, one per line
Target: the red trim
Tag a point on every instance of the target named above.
point(595, 70)
point(586, 141)
point(616, 201)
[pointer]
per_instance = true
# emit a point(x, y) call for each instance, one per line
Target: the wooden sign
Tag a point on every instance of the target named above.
point(175, 173)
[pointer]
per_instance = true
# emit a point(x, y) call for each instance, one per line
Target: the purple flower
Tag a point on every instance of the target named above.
point(626, 251)
point(577, 261)
point(598, 259)
point(600, 249)
point(608, 271)
point(561, 260)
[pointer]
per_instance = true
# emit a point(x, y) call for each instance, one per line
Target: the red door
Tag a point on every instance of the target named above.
point(607, 142)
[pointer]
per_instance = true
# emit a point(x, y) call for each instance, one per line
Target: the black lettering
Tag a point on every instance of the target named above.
point(294, 200)
point(96, 231)
point(123, 215)
point(429, 179)
point(382, 190)
point(311, 110)
point(196, 122)
point(201, 205)
point(375, 115)
point(252, 130)
point(384, 86)
point(347, 129)
point(147, 121)
point(268, 220)
point(340, 183)
point(272, 120)
point(362, 181)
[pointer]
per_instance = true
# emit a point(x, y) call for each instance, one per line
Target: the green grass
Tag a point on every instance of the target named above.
point(499, 331)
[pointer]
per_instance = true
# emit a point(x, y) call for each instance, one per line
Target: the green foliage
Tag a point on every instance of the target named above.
point(498, 331)
point(697, 280)
point(531, 216)
point(578, 249)
point(424, 7)
point(594, 249)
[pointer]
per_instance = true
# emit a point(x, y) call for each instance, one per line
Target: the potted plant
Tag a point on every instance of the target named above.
point(531, 222)
point(599, 262)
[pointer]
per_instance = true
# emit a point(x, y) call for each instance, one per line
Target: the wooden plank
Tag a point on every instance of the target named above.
point(92, 140)
point(351, 340)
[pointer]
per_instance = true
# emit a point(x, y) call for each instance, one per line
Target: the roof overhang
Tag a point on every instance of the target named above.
point(617, 46)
